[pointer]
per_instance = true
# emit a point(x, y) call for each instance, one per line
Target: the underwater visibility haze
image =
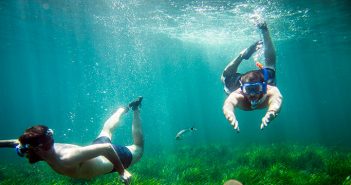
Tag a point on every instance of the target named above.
point(70, 64)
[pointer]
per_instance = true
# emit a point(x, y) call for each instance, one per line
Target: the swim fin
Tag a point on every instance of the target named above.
point(136, 103)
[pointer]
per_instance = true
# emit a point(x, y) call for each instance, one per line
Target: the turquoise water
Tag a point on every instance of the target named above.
point(70, 64)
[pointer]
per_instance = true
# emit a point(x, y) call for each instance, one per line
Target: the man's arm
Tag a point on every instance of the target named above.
point(78, 155)
point(228, 110)
point(12, 143)
point(275, 102)
point(274, 105)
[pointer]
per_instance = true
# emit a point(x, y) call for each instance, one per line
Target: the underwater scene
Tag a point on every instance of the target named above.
point(70, 64)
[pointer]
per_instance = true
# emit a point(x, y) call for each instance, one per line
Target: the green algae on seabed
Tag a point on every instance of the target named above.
point(211, 165)
point(347, 181)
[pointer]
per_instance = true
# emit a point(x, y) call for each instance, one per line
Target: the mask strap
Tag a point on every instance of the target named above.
point(241, 84)
point(265, 74)
point(265, 79)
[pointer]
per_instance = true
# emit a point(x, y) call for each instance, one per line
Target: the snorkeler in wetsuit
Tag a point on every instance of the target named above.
point(255, 89)
point(101, 157)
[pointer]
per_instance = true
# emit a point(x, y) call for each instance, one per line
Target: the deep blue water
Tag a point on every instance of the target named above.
point(70, 64)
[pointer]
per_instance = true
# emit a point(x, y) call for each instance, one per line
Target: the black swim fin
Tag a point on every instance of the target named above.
point(262, 26)
point(135, 104)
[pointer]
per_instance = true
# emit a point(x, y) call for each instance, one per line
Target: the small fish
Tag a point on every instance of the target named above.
point(180, 135)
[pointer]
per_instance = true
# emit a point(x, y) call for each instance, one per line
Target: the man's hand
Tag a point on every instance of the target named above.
point(235, 125)
point(231, 119)
point(270, 115)
point(126, 177)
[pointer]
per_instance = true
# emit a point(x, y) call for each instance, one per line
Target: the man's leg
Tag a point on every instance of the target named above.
point(230, 77)
point(269, 51)
point(137, 148)
point(232, 67)
point(112, 122)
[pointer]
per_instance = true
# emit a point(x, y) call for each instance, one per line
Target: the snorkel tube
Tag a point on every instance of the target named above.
point(260, 66)
point(257, 62)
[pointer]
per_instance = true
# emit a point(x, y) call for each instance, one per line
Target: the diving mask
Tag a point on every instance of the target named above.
point(21, 150)
point(254, 88)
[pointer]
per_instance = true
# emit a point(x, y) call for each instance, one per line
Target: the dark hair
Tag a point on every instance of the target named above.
point(252, 76)
point(37, 136)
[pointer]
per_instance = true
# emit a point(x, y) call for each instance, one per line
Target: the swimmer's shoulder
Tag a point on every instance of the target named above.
point(273, 91)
